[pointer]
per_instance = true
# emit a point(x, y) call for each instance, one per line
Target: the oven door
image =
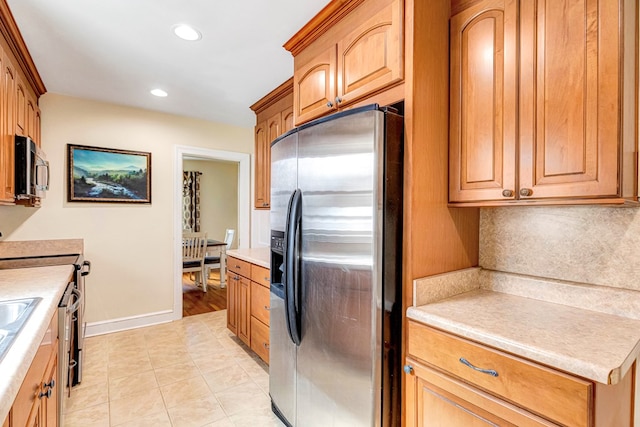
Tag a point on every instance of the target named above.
point(67, 309)
point(83, 268)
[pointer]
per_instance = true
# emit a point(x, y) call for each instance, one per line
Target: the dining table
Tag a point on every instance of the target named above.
point(220, 248)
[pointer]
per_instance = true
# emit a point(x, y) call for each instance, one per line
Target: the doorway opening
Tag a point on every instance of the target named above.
point(232, 167)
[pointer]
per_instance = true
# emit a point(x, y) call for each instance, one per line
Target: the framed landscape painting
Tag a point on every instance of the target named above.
point(108, 175)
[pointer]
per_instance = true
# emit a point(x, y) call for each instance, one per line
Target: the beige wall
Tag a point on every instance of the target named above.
point(131, 247)
point(591, 244)
point(218, 196)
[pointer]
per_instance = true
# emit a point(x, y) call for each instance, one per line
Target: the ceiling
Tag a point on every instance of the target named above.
point(118, 50)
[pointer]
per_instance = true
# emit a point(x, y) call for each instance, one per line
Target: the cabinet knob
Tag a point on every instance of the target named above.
point(338, 100)
point(524, 192)
point(265, 345)
point(46, 394)
point(329, 104)
point(50, 384)
point(408, 369)
point(507, 193)
point(267, 308)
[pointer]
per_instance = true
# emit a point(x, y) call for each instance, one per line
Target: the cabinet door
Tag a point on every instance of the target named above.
point(371, 56)
point(232, 302)
point(314, 89)
point(569, 98)
point(482, 124)
point(260, 339)
point(21, 107)
point(260, 302)
point(38, 127)
point(7, 118)
point(27, 407)
point(31, 118)
point(437, 400)
point(244, 310)
point(49, 405)
point(287, 120)
point(274, 129)
point(262, 189)
point(5, 159)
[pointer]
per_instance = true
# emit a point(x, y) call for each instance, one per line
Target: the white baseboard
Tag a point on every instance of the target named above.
point(133, 322)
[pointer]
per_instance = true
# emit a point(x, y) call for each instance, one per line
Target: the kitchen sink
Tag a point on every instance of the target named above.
point(13, 315)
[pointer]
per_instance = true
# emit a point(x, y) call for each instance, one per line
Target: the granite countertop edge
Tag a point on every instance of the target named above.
point(48, 283)
point(600, 372)
point(260, 256)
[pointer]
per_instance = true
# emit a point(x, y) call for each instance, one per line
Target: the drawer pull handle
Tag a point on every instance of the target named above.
point(484, 371)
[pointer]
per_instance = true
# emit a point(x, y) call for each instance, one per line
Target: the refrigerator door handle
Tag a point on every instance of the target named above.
point(292, 266)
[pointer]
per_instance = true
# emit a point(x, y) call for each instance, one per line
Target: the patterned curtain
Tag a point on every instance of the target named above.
point(191, 200)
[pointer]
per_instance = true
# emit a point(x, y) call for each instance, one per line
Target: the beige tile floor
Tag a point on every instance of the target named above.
point(192, 372)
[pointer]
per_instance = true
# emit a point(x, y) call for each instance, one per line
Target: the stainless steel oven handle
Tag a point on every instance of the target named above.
point(74, 307)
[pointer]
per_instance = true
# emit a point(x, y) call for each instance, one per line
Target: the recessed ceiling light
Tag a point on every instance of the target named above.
point(159, 92)
point(187, 32)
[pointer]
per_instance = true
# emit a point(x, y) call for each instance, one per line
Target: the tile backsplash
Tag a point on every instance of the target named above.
point(589, 244)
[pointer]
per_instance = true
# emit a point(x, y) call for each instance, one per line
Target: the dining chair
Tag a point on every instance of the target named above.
point(194, 247)
point(211, 262)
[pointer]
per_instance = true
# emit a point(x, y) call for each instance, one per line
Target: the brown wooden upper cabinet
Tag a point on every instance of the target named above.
point(20, 90)
point(359, 53)
point(543, 106)
point(274, 117)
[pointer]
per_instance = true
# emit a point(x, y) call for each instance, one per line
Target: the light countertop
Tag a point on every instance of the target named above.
point(48, 283)
point(596, 345)
point(258, 256)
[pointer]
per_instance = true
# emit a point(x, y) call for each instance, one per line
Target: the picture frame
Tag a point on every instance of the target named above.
point(108, 175)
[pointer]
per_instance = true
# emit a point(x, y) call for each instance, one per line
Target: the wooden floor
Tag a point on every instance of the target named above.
point(195, 301)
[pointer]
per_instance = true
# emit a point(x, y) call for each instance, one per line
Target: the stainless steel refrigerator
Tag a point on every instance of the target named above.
point(336, 251)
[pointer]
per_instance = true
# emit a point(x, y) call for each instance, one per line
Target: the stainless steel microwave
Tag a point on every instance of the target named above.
point(31, 169)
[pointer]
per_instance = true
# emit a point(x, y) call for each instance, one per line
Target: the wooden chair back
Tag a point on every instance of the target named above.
point(194, 246)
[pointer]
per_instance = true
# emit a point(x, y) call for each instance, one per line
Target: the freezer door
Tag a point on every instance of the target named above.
point(282, 351)
point(338, 364)
point(282, 360)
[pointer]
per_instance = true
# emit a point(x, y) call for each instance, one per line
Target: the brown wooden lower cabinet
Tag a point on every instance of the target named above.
point(260, 339)
point(36, 401)
point(260, 306)
point(50, 404)
point(440, 390)
point(435, 399)
point(248, 304)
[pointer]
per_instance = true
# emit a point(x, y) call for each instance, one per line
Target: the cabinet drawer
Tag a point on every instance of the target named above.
point(237, 266)
point(260, 303)
point(260, 339)
point(551, 394)
point(260, 275)
point(434, 398)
